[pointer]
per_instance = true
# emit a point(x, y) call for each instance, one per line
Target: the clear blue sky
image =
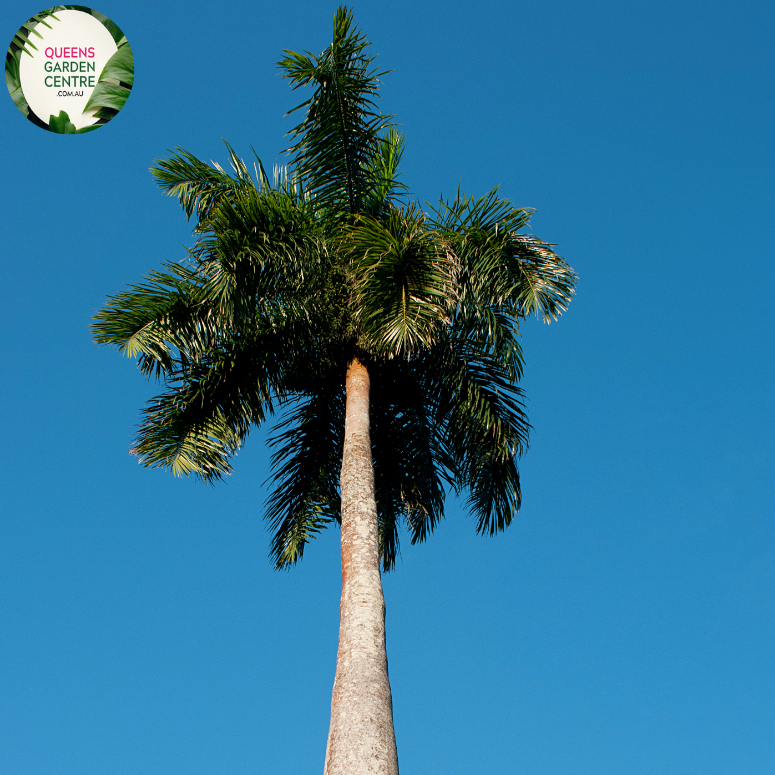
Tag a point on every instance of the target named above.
point(624, 624)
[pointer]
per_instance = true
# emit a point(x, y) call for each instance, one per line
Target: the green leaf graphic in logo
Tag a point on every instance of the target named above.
point(115, 83)
point(22, 39)
point(61, 124)
point(99, 105)
point(111, 26)
point(21, 44)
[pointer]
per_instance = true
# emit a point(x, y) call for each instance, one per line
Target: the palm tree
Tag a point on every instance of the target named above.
point(385, 336)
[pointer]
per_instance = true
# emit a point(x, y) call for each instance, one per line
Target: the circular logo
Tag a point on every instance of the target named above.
point(69, 69)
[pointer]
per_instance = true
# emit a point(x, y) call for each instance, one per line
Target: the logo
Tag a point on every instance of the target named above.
point(69, 69)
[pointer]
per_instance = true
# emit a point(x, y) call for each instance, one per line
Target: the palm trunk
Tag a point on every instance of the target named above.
point(361, 739)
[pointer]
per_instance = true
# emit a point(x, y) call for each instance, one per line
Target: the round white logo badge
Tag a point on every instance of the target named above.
point(69, 69)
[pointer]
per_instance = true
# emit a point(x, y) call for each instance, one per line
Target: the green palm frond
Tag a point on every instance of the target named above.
point(259, 249)
point(480, 421)
point(499, 266)
point(407, 478)
point(544, 283)
point(203, 420)
point(169, 439)
point(464, 214)
point(383, 173)
point(262, 253)
point(402, 281)
point(306, 471)
point(476, 393)
point(199, 185)
point(495, 494)
point(340, 134)
point(159, 320)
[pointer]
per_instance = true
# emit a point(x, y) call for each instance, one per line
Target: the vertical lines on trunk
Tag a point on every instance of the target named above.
point(361, 739)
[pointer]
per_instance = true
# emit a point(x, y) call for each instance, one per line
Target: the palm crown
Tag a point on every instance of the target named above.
point(292, 277)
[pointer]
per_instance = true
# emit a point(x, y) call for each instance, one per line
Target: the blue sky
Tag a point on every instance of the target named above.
point(624, 623)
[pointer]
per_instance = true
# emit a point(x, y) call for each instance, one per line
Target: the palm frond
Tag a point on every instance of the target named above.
point(386, 189)
point(464, 213)
point(169, 439)
point(402, 281)
point(306, 471)
point(199, 424)
point(497, 266)
point(407, 479)
point(480, 421)
point(158, 321)
point(262, 251)
point(495, 494)
point(544, 283)
point(339, 135)
point(198, 185)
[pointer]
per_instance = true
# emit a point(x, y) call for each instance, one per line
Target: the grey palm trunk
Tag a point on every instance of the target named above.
point(361, 738)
